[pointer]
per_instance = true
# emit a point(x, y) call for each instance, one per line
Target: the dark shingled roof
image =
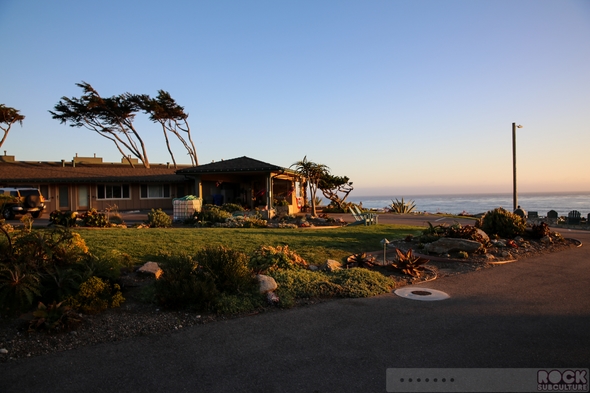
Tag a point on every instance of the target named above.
point(54, 172)
point(240, 164)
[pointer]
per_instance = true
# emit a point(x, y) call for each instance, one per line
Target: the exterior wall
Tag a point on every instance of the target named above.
point(77, 200)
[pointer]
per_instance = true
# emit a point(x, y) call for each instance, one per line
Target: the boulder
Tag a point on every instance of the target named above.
point(266, 283)
point(484, 235)
point(449, 244)
point(331, 265)
point(151, 268)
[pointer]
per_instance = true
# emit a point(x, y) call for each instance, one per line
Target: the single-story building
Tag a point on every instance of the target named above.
point(248, 182)
point(87, 182)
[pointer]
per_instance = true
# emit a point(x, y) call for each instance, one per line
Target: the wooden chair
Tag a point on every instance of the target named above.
point(552, 217)
point(362, 218)
point(574, 217)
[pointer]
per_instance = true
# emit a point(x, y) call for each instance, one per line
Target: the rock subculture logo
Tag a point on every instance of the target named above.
point(562, 381)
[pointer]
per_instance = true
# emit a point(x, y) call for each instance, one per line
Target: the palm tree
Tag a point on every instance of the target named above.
point(312, 173)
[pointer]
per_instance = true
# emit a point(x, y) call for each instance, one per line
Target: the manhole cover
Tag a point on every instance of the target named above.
point(425, 294)
point(422, 293)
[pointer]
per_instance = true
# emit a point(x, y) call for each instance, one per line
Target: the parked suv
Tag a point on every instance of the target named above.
point(21, 200)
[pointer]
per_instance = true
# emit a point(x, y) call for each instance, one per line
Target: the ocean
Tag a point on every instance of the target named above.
point(562, 203)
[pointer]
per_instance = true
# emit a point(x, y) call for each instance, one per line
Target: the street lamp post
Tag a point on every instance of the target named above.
point(514, 193)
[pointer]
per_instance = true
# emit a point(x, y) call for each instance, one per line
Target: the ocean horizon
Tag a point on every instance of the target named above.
point(561, 202)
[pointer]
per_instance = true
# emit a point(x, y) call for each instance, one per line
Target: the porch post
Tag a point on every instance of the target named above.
point(269, 191)
point(198, 187)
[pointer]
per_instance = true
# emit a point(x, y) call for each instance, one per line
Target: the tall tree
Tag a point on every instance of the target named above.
point(331, 186)
point(8, 116)
point(164, 110)
point(111, 118)
point(312, 172)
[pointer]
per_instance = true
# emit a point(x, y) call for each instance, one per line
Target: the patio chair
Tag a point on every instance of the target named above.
point(362, 218)
point(552, 217)
point(574, 217)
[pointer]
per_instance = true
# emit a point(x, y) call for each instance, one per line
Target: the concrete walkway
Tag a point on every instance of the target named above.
point(533, 313)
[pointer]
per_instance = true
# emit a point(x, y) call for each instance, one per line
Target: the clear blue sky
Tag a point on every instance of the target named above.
point(404, 97)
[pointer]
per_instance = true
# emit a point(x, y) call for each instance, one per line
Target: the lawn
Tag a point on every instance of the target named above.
point(315, 245)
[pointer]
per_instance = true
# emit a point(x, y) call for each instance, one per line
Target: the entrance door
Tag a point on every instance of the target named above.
point(83, 198)
point(64, 198)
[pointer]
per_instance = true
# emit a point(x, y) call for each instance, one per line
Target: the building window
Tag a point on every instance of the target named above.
point(112, 191)
point(44, 191)
point(155, 191)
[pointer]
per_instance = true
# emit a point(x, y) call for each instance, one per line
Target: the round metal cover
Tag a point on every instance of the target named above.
point(418, 293)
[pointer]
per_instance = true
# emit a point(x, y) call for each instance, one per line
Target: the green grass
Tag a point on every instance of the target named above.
point(315, 245)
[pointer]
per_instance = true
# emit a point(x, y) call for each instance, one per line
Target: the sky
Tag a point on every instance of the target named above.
point(403, 97)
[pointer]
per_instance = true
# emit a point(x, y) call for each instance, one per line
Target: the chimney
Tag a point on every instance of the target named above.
point(63, 163)
point(73, 163)
point(168, 165)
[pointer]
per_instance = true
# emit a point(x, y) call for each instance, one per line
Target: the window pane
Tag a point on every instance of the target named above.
point(154, 191)
point(126, 191)
point(144, 193)
point(100, 191)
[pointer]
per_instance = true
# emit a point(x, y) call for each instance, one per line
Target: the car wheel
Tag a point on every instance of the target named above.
point(8, 214)
point(37, 214)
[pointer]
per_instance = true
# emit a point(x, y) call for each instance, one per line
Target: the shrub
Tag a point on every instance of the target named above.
point(159, 219)
point(96, 295)
point(96, 219)
point(268, 258)
point(243, 222)
point(298, 284)
point(502, 223)
point(54, 317)
point(60, 283)
point(58, 247)
point(231, 207)
point(181, 285)
point(358, 282)
point(108, 265)
point(227, 268)
point(540, 230)
point(211, 214)
point(19, 287)
point(63, 218)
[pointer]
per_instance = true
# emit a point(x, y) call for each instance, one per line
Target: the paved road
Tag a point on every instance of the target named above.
point(533, 313)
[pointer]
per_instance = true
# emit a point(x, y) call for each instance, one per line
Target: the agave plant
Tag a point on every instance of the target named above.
point(402, 206)
point(360, 260)
point(54, 317)
point(408, 263)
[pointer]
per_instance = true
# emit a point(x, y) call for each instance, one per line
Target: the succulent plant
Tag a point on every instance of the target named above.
point(408, 263)
point(360, 260)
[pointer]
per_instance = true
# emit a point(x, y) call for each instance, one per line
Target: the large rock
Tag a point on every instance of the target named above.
point(266, 283)
point(151, 268)
point(484, 235)
point(332, 265)
point(449, 244)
